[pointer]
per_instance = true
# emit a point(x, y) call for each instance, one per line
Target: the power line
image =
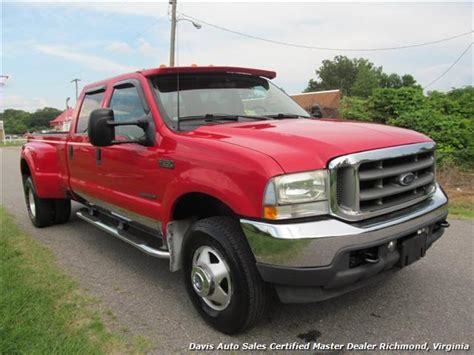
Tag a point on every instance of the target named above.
point(450, 67)
point(154, 23)
point(325, 48)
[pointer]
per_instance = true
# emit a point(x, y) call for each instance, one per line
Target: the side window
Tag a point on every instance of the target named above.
point(127, 106)
point(90, 103)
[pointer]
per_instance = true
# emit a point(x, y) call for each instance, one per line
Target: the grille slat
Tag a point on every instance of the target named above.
point(373, 174)
point(393, 189)
point(372, 183)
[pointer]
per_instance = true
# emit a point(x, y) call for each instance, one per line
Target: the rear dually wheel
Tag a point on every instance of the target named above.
point(44, 212)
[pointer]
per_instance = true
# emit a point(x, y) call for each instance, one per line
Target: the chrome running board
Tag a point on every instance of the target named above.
point(122, 235)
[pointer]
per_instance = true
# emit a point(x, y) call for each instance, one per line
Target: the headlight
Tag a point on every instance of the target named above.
point(296, 195)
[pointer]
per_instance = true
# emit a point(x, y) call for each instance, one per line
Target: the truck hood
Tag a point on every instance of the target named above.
point(302, 144)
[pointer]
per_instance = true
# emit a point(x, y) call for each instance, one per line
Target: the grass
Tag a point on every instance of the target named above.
point(461, 206)
point(17, 143)
point(43, 311)
point(459, 185)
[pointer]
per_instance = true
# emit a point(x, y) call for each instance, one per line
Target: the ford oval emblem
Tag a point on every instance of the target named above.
point(406, 179)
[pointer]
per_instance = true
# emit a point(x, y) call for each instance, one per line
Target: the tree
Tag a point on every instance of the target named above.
point(339, 73)
point(356, 76)
point(39, 120)
point(19, 121)
point(390, 81)
point(367, 80)
point(409, 81)
point(388, 103)
point(448, 118)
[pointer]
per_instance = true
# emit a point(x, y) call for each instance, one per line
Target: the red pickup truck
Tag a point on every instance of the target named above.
point(219, 171)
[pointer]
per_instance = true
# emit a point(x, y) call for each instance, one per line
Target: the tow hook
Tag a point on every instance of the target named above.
point(370, 258)
point(444, 224)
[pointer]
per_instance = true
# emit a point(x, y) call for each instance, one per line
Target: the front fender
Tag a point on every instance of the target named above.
point(43, 161)
point(217, 185)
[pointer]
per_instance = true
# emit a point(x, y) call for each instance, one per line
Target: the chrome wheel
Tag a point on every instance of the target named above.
point(31, 202)
point(210, 278)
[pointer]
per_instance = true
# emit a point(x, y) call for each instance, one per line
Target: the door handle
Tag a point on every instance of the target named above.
point(71, 152)
point(98, 156)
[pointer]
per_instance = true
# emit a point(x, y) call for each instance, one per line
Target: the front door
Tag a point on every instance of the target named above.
point(129, 171)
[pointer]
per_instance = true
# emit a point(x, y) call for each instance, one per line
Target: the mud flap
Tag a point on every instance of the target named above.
point(175, 231)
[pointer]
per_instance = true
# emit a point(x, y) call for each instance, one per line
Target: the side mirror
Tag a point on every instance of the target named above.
point(102, 125)
point(101, 132)
point(316, 111)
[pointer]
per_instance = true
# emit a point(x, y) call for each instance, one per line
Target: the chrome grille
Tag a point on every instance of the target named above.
point(368, 184)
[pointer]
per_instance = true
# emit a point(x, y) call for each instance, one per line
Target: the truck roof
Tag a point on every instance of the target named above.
point(162, 70)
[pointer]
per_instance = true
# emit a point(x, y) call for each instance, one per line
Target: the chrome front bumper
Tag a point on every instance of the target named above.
point(317, 243)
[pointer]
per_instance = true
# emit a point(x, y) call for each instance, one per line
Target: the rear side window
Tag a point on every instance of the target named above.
point(90, 103)
point(127, 106)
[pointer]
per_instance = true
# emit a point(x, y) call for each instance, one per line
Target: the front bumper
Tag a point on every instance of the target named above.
point(311, 261)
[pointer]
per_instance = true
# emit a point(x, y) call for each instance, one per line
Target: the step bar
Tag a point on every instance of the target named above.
point(122, 235)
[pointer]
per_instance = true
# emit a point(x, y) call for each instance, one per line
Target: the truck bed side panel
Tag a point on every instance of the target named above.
point(46, 156)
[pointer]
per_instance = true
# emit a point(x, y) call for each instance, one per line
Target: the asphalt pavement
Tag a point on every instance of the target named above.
point(429, 301)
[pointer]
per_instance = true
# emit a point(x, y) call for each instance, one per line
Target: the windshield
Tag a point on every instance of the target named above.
point(219, 94)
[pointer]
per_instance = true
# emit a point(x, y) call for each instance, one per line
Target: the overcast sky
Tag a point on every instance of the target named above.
point(45, 45)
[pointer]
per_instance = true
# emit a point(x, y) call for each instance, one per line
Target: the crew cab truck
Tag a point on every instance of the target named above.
point(219, 171)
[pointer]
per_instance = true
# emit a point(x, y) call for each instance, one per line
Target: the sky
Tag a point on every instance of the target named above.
point(46, 45)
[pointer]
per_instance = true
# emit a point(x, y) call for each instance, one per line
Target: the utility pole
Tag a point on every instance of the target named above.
point(173, 31)
point(76, 80)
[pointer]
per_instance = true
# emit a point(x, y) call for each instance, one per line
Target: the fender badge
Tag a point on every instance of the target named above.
point(166, 163)
point(147, 195)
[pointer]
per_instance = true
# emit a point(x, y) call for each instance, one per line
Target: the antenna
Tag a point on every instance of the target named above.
point(177, 69)
point(177, 99)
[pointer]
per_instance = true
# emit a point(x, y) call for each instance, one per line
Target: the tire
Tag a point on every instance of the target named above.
point(242, 296)
point(40, 210)
point(44, 212)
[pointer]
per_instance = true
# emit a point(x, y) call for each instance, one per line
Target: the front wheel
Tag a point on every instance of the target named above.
point(221, 277)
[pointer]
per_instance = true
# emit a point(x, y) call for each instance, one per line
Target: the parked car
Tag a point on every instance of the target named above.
point(219, 171)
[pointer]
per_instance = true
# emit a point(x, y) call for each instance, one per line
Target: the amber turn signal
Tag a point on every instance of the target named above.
point(270, 212)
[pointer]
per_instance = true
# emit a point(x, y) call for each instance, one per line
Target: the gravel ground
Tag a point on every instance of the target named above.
point(430, 301)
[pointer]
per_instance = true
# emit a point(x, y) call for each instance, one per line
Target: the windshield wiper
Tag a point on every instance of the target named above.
point(283, 115)
point(213, 117)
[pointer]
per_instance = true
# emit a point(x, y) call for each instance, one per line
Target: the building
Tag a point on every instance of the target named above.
point(63, 121)
point(328, 100)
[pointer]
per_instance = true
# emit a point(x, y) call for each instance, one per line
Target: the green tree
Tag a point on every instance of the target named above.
point(453, 133)
point(19, 121)
point(339, 73)
point(367, 80)
point(355, 108)
point(387, 103)
point(39, 119)
point(390, 81)
point(464, 97)
point(448, 118)
point(356, 76)
point(409, 81)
